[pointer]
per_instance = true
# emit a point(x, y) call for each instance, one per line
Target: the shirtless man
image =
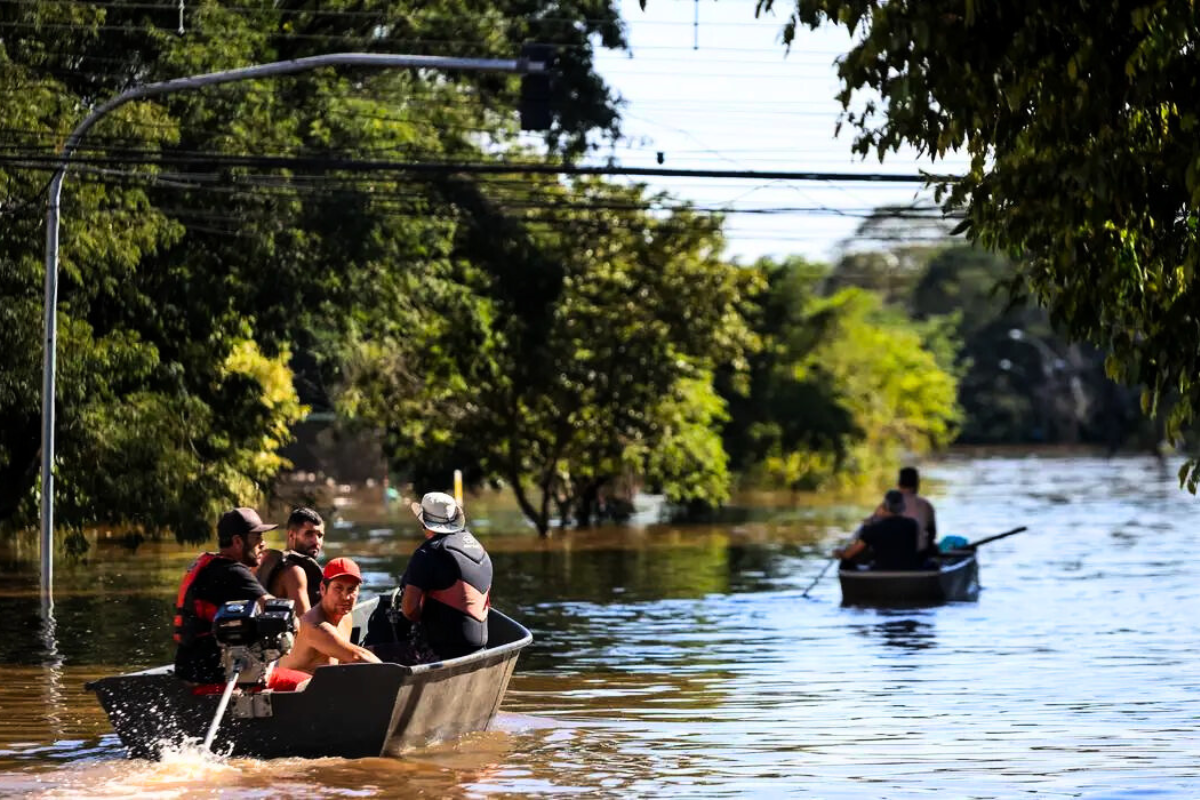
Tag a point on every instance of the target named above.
point(294, 573)
point(324, 635)
point(918, 508)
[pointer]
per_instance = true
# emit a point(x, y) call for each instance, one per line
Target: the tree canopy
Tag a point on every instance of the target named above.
point(230, 260)
point(842, 386)
point(189, 280)
point(1079, 119)
point(582, 353)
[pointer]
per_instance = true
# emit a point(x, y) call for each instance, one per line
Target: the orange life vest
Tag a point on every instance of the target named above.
point(193, 618)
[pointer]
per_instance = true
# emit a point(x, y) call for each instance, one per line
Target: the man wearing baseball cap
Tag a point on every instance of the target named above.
point(211, 581)
point(324, 635)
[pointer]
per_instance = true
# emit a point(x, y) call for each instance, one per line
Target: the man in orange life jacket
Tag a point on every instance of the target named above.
point(448, 583)
point(213, 580)
point(294, 573)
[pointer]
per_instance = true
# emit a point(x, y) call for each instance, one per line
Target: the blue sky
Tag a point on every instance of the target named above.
point(725, 94)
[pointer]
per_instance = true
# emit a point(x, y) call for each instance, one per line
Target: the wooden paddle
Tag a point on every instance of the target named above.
point(817, 579)
point(829, 564)
point(985, 540)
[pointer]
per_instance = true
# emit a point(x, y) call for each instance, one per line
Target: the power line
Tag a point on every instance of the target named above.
point(481, 168)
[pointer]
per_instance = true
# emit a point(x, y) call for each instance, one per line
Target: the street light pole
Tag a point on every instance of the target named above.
point(49, 363)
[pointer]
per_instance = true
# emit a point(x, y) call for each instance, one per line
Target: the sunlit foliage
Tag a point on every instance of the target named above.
point(842, 387)
point(1080, 120)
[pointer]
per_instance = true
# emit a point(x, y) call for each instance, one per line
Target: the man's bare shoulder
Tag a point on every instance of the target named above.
point(292, 572)
point(314, 617)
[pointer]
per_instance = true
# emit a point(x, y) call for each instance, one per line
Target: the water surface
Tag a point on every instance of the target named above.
point(677, 660)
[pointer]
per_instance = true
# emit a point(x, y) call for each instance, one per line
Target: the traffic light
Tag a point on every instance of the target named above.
point(536, 88)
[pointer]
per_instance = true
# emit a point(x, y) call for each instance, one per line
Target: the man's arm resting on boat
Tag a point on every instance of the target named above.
point(327, 640)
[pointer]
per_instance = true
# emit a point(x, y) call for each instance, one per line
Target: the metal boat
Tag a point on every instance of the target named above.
point(346, 711)
point(955, 579)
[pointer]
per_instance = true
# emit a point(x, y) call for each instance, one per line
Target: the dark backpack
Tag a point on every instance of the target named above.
point(387, 623)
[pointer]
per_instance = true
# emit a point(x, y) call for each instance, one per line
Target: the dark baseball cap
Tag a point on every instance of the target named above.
point(241, 522)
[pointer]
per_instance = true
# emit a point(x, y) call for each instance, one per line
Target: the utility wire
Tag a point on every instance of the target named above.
point(480, 168)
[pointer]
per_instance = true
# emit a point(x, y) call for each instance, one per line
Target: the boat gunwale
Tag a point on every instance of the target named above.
point(894, 574)
point(450, 665)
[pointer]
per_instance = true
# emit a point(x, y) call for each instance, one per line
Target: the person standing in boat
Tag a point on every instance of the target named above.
point(213, 580)
point(294, 573)
point(889, 539)
point(325, 629)
point(918, 508)
point(448, 582)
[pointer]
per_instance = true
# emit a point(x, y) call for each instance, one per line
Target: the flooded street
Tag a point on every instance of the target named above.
point(684, 660)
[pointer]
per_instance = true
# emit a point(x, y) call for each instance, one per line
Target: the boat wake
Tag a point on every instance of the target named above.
point(181, 769)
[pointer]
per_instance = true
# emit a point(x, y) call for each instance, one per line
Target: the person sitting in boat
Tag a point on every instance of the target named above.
point(325, 629)
point(918, 508)
point(889, 539)
point(294, 573)
point(448, 582)
point(213, 580)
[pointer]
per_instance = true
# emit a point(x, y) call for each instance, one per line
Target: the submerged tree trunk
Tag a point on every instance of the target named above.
point(540, 520)
point(564, 504)
point(543, 524)
point(588, 504)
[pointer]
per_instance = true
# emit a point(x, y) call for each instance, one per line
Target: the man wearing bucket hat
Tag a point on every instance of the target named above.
point(448, 583)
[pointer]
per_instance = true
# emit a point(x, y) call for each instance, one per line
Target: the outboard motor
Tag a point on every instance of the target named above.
point(251, 641)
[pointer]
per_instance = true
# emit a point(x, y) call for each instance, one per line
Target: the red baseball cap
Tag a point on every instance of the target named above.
point(342, 568)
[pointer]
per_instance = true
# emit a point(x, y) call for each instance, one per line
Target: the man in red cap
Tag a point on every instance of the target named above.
point(324, 635)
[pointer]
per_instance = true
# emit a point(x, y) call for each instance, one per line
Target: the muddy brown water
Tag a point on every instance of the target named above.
point(682, 660)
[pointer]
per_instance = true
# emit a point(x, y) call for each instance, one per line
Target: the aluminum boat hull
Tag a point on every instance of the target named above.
point(347, 711)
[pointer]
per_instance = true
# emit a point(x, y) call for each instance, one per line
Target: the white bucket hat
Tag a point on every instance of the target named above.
point(438, 512)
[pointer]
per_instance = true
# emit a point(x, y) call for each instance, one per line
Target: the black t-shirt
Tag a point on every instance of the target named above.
point(893, 540)
point(218, 583)
point(455, 566)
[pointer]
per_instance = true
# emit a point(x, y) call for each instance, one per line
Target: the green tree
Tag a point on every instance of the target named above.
point(1022, 381)
point(841, 387)
point(1079, 119)
point(188, 280)
point(889, 250)
point(579, 354)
